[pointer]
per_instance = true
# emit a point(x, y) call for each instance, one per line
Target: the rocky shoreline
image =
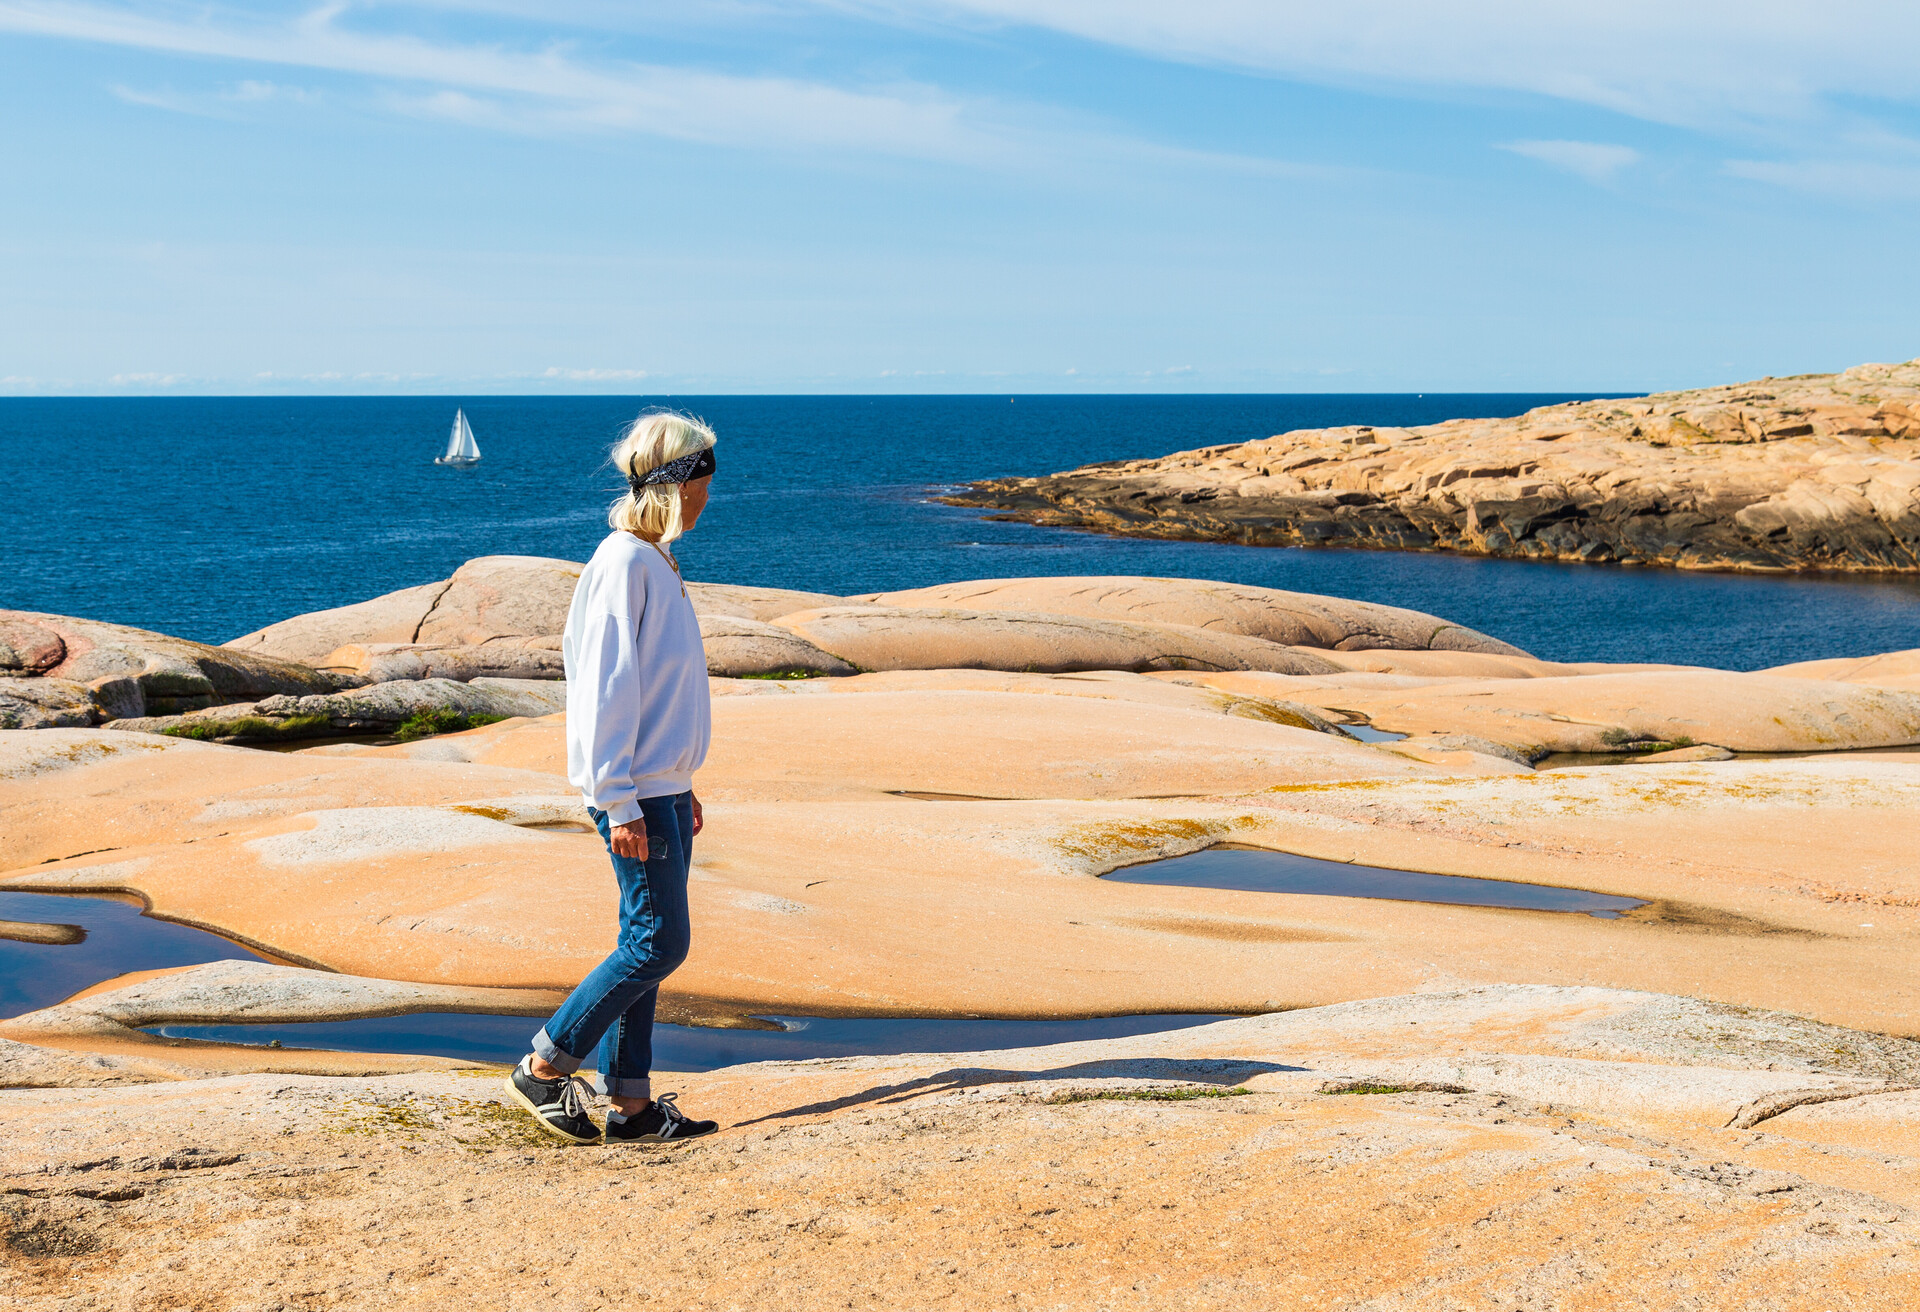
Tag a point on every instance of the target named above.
point(912, 802)
point(1817, 472)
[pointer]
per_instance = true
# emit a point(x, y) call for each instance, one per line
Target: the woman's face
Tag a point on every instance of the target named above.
point(693, 500)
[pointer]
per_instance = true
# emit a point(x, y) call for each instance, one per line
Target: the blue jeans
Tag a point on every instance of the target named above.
point(613, 1005)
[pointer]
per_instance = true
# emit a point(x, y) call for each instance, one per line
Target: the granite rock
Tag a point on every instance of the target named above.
point(924, 638)
point(488, 598)
point(1820, 471)
point(536, 657)
point(374, 709)
point(56, 670)
point(741, 601)
point(1294, 619)
point(1607, 713)
point(1460, 1148)
point(47, 704)
point(739, 646)
point(1894, 669)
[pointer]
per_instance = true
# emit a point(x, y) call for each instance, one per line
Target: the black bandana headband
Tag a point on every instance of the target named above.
point(684, 470)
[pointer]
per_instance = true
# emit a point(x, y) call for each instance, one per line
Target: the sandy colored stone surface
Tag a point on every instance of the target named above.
point(1289, 618)
point(1473, 665)
point(1582, 1159)
point(309, 638)
point(489, 601)
point(741, 601)
point(1463, 754)
point(738, 646)
point(1103, 685)
point(1894, 669)
point(488, 598)
point(982, 743)
point(913, 638)
point(510, 658)
point(90, 792)
point(501, 616)
point(816, 890)
point(1611, 712)
point(31, 931)
point(1681, 755)
point(1820, 471)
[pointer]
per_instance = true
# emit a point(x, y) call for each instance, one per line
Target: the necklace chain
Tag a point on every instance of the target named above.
point(672, 564)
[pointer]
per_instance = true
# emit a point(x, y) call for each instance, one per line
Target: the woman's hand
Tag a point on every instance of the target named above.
point(630, 839)
point(699, 821)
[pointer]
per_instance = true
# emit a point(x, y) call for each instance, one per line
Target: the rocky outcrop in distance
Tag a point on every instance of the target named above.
point(1816, 472)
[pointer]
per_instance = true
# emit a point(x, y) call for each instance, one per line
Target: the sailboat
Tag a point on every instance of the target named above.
point(462, 451)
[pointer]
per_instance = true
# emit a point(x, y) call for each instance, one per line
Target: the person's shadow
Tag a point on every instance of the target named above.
point(1220, 1072)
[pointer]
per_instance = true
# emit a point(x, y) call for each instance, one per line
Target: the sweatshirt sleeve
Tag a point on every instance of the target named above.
point(609, 662)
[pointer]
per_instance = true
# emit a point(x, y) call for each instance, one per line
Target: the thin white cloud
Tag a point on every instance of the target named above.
point(255, 91)
point(552, 90)
point(595, 375)
point(216, 104)
point(546, 87)
point(1700, 63)
point(167, 100)
point(1595, 161)
point(1841, 179)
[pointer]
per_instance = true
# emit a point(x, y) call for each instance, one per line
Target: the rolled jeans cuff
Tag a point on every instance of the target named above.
point(562, 1061)
point(627, 1086)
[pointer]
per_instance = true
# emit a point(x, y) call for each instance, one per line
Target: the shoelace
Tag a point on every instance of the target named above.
point(576, 1095)
point(670, 1111)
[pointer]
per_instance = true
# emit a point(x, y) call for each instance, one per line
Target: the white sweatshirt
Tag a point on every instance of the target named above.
point(638, 718)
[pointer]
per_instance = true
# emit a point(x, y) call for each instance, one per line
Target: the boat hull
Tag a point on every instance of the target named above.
point(456, 462)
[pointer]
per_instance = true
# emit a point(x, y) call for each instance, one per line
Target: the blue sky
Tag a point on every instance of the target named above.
point(953, 195)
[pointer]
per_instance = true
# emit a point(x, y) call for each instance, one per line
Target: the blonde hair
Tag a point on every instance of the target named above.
point(651, 441)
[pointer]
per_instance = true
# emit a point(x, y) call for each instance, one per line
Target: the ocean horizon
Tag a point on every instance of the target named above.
point(208, 517)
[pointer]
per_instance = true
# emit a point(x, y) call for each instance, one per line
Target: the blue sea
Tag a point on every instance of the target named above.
point(208, 518)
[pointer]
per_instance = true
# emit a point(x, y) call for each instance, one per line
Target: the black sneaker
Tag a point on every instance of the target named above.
point(560, 1106)
point(660, 1122)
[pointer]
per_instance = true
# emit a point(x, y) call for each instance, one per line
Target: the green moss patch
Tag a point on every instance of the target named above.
point(438, 720)
point(474, 1123)
point(208, 728)
point(1149, 1095)
point(786, 674)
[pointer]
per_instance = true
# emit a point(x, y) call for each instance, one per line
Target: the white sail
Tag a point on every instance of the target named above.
point(461, 448)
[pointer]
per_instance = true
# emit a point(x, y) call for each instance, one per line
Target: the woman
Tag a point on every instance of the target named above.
point(637, 728)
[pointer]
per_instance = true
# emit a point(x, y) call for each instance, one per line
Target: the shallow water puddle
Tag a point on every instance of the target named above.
point(504, 1039)
point(114, 938)
point(1257, 870)
point(1366, 733)
point(66, 944)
